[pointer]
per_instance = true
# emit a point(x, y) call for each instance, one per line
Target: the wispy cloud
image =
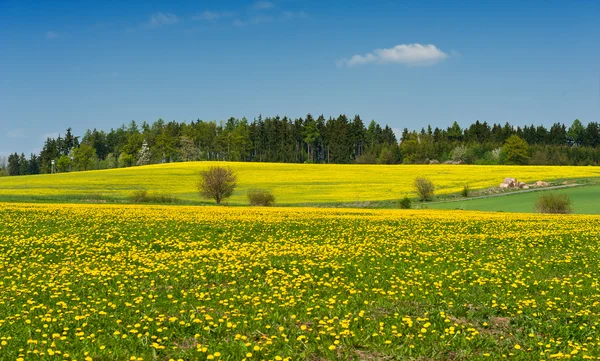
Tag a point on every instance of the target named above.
point(213, 15)
point(51, 35)
point(254, 20)
point(16, 133)
point(261, 19)
point(407, 54)
point(160, 19)
point(263, 5)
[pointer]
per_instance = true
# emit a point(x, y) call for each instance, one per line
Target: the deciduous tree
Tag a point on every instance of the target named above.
point(516, 150)
point(217, 183)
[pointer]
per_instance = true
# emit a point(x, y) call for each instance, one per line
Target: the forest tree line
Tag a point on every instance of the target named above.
point(337, 140)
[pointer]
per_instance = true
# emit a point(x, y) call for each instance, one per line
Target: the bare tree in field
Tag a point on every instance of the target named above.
point(217, 183)
point(424, 188)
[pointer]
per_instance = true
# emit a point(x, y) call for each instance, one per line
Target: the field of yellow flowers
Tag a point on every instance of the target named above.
point(292, 184)
point(107, 282)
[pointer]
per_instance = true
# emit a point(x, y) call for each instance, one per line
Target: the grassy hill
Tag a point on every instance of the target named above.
point(585, 201)
point(292, 184)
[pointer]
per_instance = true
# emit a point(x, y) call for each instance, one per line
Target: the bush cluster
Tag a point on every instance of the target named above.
point(553, 203)
point(143, 196)
point(466, 191)
point(261, 197)
point(405, 203)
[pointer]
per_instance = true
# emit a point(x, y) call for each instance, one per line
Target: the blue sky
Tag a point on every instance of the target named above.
point(86, 64)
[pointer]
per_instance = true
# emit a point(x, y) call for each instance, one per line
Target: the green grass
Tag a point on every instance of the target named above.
point(585, 199)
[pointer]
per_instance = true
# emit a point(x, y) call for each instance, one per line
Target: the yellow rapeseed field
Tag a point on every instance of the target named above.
point(291, 183)
point(108, 282)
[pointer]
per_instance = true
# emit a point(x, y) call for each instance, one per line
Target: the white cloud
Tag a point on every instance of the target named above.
point(212, 15)
point(50, 35)
point(263, 5)
point(160, 19)
point(16, 133)
point(408, 54)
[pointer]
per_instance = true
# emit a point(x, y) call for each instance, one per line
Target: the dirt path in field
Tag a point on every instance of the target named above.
point(509, 193)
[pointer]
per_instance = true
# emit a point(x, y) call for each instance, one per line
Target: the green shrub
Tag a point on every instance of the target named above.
point(424, 188)
point(139, 196)
point(95, 197)
point(162, 198)
point(405, 203)
point(466, 190)
point(261, 197)
point(143, 196)
point(553, 203)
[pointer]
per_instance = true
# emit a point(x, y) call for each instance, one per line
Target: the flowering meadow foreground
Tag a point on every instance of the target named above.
point(103, 282)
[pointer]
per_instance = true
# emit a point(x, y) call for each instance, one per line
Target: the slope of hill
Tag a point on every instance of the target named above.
point(584, 199)
point(292, 184)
